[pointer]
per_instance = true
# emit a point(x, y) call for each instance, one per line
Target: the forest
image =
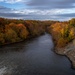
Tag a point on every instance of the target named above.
point(62, 32)
point(16, 30)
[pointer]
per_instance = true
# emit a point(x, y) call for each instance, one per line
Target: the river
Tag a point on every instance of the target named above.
point(33, 57)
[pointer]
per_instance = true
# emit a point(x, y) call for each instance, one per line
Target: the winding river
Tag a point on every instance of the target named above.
point(33, 57)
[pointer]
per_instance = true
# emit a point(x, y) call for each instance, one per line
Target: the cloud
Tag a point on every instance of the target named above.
point(39, 9)
point(4, 9)
point(67, 15)
point(11, 1)
point(44, 4)
point(53, 14)
point(51, 4)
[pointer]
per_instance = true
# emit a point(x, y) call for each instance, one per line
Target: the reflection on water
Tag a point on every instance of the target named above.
point(33, 57)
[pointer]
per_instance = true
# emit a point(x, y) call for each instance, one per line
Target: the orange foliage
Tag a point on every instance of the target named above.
point(13, 30)
point(11, 36)
point(62, 33)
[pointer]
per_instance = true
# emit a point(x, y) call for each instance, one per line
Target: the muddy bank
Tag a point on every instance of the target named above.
point(69, 51)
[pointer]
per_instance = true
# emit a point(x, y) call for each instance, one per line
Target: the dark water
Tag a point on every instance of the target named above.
point(34, 57)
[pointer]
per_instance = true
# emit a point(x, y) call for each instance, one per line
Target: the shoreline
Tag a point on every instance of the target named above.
point(59, 51)
point(29, 38)
point(69, 54)
point(67, 58)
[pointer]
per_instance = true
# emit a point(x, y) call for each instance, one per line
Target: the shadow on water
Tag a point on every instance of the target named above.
point(33, 57)
point(20, 46)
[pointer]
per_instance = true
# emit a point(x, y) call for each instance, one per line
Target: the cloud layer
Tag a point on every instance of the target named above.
point(39, 10)
point(51, 4)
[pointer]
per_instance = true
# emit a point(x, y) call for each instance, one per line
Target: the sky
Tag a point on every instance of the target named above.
point(38, 9)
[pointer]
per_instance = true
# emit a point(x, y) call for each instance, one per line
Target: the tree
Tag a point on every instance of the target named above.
point(72, 22)
point(11, 36)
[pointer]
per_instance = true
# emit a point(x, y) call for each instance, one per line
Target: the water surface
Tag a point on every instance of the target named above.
point(34, 57)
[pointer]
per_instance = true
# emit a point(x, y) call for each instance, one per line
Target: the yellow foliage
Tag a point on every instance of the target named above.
point(11, 36)
point(72, 32)
point(72, 22)
point(62, 33)
point(61, 42)
point(24, 34)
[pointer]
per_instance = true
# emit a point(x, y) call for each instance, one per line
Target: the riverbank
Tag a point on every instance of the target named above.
point(20, 41)
point(68, 51)
point(64, 39)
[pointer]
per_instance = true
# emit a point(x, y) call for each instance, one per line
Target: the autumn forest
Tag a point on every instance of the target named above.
point(17, 30)
point(14, 30)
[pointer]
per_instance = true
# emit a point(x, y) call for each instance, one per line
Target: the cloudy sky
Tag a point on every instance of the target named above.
point(38, 9)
